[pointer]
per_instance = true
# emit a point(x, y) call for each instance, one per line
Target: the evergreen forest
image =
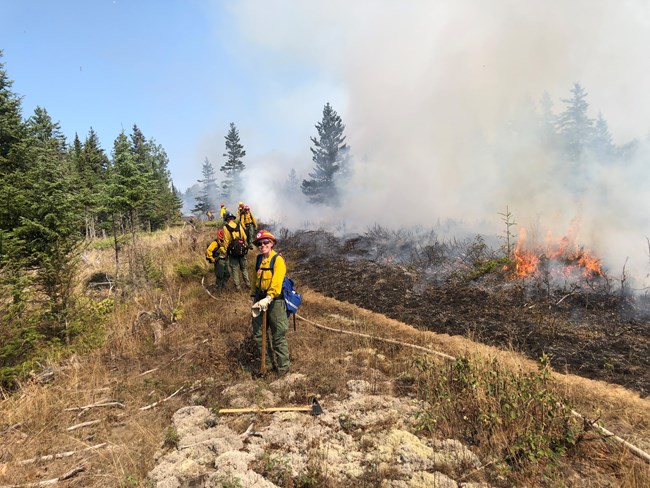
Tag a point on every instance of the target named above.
point(56, 197)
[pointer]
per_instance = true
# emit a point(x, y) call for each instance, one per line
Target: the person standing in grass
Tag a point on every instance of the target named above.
point(235, 240)
point(222, 211)
point(250, 224)
point(216, 253)
point(268, 298)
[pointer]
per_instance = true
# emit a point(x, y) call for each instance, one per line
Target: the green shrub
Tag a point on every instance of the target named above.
point(153, 271)
point(483, 267)
point(188, 271)
point(518, 415)
point(30, 340)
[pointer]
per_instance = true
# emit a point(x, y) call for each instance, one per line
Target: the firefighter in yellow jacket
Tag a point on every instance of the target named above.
point(235, 240)
point(250, 224)
point(268, 298)
point(216, 254)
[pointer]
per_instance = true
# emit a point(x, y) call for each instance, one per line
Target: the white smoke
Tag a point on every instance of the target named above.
point(426, 88)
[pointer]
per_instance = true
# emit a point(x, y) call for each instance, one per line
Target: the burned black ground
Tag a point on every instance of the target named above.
point(587, 328)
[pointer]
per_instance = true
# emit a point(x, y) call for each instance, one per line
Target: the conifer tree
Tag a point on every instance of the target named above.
point(49, 229)
point(91, 165)
point(575, 126)
point(161, 205)
point(206, 199)
point(234, 166)
point(330, 155)
point(13, 164)
point(128, 186)
point(143, 164)
point(13, 149)
point(166, 202)
point(602, 144)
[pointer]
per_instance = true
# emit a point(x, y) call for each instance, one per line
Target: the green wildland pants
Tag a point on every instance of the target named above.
point(250, 235)
point(222, 272)
point(236, 264)
point(278, 324)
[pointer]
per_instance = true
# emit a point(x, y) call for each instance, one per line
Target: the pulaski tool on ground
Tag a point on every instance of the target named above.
point(314, 409)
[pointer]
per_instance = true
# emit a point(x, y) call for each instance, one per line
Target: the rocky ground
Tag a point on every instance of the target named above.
point(359, 440)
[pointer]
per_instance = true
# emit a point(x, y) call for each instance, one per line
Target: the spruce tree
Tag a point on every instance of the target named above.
point(161, 205)
point(234, 166)
point(91, 165)
point(128, 187)
point(330, 155)
point(13, 149)
point(14, 162)
point(575, 126)
point(206, 199)
point(602, 144)
point(166, 203)
point(49, 229)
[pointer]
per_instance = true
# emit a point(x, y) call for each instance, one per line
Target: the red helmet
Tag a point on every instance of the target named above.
point(220, 234)
point(264, 234)
point(246, 207)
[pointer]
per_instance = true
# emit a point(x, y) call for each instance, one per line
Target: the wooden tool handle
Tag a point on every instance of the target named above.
point(263, 365)
point(261, 410)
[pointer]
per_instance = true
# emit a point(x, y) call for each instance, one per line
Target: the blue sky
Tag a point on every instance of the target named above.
point(421, 85)
point(175, 68)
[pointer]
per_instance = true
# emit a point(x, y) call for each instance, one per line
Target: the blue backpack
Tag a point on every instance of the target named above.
point(291, 297)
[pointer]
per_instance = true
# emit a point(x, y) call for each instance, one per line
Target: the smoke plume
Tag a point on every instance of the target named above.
point(429, 91)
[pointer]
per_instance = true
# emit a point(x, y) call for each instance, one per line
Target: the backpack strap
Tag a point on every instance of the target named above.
point(238, 229)
point(258, 265)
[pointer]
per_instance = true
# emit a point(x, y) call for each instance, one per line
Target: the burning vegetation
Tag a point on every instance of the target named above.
point(562, 257)
point(555, 300)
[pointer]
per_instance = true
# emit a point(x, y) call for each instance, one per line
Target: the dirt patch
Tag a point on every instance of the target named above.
point(586, 331)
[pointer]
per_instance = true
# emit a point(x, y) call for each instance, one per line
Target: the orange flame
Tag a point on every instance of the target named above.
point(591, 265)
point(525, 261)
point(562, 250)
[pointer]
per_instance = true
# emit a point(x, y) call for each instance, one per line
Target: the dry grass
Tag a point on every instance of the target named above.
point(202, 345)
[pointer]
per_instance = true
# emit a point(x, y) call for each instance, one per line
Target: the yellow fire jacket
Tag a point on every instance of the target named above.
point(247, 218)
point(215, 250)
point(238, 232)
point(271, 282)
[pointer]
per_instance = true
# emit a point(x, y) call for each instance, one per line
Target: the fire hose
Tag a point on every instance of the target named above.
point(610, 435)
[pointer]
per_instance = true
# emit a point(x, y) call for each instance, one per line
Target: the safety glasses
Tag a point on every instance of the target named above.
point(264, 242)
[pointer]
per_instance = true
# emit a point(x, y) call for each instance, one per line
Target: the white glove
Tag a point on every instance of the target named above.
point(261, 306)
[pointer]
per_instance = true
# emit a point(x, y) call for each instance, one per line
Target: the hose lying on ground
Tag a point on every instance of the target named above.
point(635, 450)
